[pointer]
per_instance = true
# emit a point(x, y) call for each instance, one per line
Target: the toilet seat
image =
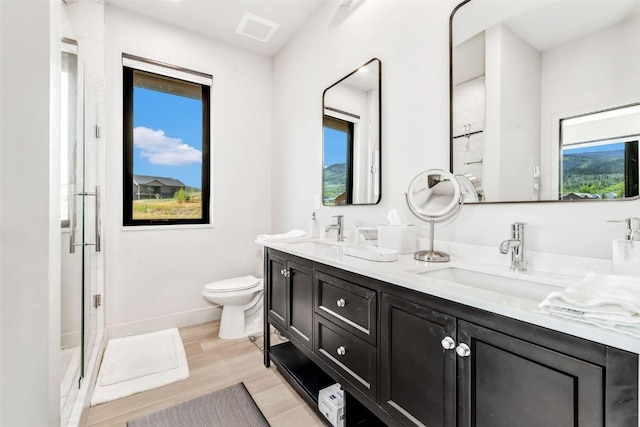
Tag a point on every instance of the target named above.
point(233, 285)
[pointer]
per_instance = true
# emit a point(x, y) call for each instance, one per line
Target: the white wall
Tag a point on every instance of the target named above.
point(512, 139)
point(154, 276)
point(332, 43)
point(411, 39)
point(29, 230)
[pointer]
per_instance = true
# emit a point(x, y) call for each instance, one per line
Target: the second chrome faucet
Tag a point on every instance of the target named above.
point(338, 226)
point(517, 246)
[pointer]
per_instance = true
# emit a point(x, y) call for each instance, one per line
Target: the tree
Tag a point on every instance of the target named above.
point(182, 196)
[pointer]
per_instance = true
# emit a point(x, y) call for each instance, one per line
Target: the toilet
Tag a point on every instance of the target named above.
point(241, 301)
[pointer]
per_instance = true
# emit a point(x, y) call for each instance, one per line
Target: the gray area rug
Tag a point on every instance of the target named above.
point(229, 407)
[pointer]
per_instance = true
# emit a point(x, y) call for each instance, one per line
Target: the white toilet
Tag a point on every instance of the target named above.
point(241, 301)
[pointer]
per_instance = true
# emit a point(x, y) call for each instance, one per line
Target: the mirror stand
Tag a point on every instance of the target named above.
point(431, 255)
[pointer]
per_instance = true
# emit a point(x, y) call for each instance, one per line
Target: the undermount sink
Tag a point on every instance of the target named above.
point(523, 287)
point(333, 249)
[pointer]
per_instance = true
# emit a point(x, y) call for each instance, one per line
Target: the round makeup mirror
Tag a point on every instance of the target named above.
point(434, 196)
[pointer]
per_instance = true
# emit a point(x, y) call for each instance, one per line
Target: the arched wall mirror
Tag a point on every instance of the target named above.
point(351, 138)
point(545, 98)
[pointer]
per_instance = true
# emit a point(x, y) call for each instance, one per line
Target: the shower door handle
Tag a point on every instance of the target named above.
point(72, 222)
point(72, 219)
point(98, 220)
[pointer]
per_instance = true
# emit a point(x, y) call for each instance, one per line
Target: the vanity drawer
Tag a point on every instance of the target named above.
point(351, 306)
point(351, 357)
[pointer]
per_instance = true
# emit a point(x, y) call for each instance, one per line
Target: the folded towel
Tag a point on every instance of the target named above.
point(611, 302)
point(290, 236)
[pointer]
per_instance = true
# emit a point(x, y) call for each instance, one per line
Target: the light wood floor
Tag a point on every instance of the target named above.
point(213, 364)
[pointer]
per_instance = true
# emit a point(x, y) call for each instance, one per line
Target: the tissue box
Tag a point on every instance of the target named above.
point(331, 404)
point(399, 237)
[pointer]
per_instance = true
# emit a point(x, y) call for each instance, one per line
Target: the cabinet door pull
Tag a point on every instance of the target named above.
point(463, 350)
point(282, 272)
point(448, 343)
point(287, 273)
point(341, 350)
point(341, 302)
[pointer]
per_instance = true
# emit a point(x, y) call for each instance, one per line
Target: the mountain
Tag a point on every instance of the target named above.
point(595, 163)
point(335, 174)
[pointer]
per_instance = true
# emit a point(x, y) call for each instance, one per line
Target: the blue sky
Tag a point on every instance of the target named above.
point(334, 147)
point(594, 148)
point(167, 136)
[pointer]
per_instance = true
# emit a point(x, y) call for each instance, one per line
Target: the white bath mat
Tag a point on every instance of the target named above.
point(139, 363)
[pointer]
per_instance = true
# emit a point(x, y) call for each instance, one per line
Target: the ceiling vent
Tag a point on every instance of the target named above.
point(256, 27)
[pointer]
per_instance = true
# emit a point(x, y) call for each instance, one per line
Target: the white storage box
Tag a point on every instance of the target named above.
point(331, 404)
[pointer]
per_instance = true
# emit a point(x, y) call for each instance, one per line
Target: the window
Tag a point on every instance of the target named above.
point(166, 144)
point(599, 153)
point(338, 165)
point(606, 169)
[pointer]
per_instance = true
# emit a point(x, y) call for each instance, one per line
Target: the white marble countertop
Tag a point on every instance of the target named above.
point(515, 303)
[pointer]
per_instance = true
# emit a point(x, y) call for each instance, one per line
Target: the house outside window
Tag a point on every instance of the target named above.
point(166, 138)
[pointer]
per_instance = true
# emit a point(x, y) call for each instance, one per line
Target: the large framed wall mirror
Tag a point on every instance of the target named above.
point(545, 98)
point(351, 138)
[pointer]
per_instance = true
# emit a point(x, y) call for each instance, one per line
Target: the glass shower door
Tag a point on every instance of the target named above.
point(71, 262)
point(80, 212)
point(90, 199)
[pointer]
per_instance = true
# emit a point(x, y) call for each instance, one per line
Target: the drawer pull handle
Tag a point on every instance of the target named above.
point(448, 343)
point(463, 350)
point(341, 351)
point(341, 302)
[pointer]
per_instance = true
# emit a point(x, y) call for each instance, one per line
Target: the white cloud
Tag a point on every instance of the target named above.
point(161, 149)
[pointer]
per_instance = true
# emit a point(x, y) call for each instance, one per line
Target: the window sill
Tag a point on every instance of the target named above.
point(164, 227)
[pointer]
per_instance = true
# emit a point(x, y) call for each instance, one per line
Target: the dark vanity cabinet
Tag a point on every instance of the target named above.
point(407, 358)
point(418, 375)
point(506, 381)
point(290, 297)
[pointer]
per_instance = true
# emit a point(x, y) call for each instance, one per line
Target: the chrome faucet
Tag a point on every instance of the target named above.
point(516, 245)
point(338, 226)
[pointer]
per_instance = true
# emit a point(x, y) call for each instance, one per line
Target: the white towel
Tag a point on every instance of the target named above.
point(611, 302)
point(289, 236)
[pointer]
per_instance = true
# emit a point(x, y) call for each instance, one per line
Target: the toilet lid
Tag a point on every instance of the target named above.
point(235, 284)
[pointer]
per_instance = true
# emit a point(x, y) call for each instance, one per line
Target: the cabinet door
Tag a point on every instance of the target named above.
point(418, 375)
point(277, 290)
point(300, 322)
point(506, 382)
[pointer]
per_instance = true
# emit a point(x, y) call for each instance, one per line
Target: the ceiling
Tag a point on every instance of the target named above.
point(220, 18)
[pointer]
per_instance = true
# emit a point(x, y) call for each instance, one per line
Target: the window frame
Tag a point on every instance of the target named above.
point(346, 123)
point(128, 150)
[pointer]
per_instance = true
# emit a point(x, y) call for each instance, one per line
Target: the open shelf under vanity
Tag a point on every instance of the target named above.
point(308, 379)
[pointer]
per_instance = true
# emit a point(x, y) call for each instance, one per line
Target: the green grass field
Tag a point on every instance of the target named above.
point(168, 208)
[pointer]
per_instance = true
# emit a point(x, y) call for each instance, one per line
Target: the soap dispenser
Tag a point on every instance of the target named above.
point(626, 252)
point(314, 226)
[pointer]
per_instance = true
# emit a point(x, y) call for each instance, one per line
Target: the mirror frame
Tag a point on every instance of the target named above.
point(453, 12)
point(379, 133)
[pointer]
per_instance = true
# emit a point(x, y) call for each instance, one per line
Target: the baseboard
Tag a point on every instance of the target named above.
point(174, 320)
point(70, 339)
